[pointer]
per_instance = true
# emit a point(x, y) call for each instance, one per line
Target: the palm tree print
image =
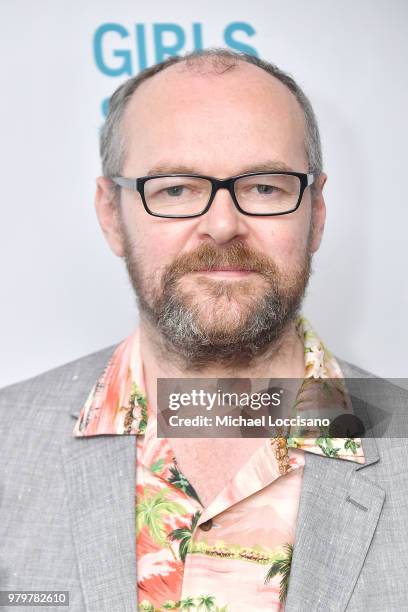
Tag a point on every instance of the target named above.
point(180, 481)
point(136, 398)
point(282, 566)
point(326, 444)
point(171, 605)
point(187, 604)
point(184, 536)
point(146, 606)
point(206, 602)
point(352, 445)
point(150, 511)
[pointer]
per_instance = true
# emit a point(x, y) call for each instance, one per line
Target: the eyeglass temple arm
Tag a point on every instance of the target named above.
point(125, 182)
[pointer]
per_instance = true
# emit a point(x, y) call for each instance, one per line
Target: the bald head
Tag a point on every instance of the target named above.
point(211, 65)
point(205, 120)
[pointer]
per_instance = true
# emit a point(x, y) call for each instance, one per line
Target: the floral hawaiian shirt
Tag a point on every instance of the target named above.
point(235, 554)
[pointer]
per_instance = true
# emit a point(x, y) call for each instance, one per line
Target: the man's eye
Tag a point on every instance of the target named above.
point(177, 190)
point(265, 189)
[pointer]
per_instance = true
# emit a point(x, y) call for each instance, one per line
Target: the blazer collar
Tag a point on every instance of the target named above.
point(339, 509)
point(100, 476)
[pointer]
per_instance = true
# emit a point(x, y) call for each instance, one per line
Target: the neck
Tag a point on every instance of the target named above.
point(283, 359)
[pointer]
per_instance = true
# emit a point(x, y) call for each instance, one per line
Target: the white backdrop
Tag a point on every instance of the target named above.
point(65, 295)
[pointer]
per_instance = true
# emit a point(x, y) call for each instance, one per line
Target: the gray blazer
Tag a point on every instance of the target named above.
point(67, 507)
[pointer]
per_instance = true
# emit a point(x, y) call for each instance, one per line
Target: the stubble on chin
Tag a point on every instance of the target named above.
point(221, 307)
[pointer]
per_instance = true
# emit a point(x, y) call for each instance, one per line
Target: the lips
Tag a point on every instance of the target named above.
point(224, 269)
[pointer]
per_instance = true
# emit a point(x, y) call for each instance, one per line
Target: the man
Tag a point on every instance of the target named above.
point(212, 192)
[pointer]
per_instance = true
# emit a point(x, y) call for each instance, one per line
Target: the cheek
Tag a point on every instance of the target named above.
point(155, 242)
point(286, 242)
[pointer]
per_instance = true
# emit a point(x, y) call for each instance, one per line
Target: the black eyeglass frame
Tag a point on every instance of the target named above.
point(137, 184)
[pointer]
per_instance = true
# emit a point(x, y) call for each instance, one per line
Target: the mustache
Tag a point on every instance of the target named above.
point(209, 257)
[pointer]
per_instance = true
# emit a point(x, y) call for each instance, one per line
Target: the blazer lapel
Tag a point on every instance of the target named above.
point(100, 474)
point(338, 513)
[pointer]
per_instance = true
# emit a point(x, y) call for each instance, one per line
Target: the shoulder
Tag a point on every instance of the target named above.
point(384, 402)
point(61, 389)
point(376, 386)
point(350, 370)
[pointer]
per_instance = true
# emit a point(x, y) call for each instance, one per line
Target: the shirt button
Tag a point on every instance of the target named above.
point(206, 526)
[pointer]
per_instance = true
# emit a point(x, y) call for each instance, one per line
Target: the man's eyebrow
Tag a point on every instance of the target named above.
point(266, 166)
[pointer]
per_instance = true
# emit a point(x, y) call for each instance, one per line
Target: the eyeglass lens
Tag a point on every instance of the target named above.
point(259, 194)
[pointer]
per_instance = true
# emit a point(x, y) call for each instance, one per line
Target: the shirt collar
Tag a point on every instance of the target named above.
point(117, 402)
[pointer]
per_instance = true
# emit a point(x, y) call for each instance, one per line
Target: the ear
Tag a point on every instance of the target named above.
point(109, 214)
point(318, 213)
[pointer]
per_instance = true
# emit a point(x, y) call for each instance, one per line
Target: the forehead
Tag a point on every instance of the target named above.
point(199, 112)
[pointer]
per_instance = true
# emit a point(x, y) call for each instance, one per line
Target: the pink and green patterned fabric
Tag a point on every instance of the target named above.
point(235, 554)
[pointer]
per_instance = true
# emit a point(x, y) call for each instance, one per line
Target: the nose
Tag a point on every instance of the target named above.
point(223, 221)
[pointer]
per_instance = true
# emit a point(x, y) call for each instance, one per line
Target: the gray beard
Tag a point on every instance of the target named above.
point(200, 347)
point(180, 338)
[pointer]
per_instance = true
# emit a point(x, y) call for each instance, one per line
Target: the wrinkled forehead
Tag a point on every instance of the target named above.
point(185, 105)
